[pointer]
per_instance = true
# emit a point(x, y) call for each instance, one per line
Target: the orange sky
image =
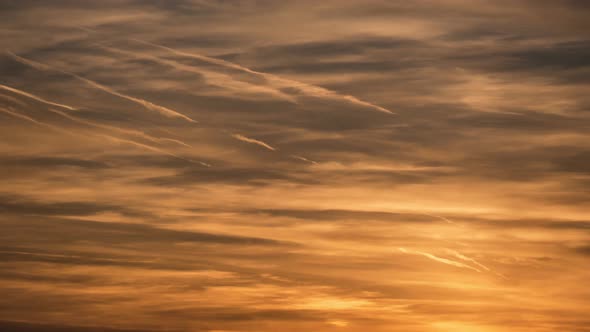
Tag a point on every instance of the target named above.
point(263, 166)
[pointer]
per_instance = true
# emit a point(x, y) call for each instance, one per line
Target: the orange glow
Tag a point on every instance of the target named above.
point(263, 166)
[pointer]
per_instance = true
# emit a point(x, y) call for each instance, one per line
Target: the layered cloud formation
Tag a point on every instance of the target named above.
point(269, 166)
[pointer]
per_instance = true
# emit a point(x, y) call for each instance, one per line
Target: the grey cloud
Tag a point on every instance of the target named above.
point(114, 233)
point(14, 204)
point(235, 175)
point(490, 132)
point(51, 162)
point(342, 215)
point(15, 326)
point(583, 250)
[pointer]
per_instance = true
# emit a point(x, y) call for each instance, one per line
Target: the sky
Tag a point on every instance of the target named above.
point(325, 166)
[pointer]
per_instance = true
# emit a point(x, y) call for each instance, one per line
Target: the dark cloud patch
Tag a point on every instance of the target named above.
point(242, 315)
point(51, 162)
point(230, 175)
point(210, 40)
point(344, 215)
point(337, 67)
point(566, 55)
point(529, 122)
point(333, 47)
point(149, 161)
point(574, 162)
point(479, 33)
point(55, 257)
point(583, 250)
point(526, 163)
point(14, 204)
point(73, 231)
point(12, 326)
point(546, 224)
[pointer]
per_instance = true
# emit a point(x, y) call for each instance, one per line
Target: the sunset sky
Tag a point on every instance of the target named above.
point(295, 166)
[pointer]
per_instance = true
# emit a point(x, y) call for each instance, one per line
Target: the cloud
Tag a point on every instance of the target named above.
point(26, 94)
point(279, 82)
point(21, 205)
point(149, 105)
point(108, 137)
point(212, 78)
point(30, 119)
point(113, 233)
point(439, 259)
point(110, 221)
point(468, 259)
point(304, 159)
point(51, 161)
point(15, 326)
point(136, 133)
point(342, 215)
point(253, 141)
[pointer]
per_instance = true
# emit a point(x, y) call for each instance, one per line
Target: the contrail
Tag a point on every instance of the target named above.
point(151, 148)
point(253, 141)
point(218, 79)
point(439, 259)
point(109, 137)
point(26, 94)
point(281, 82)
point(149, 105)
point(137, 133)
point(144, 146)
point(37, 122)
point(468, 259)
point(303, 159)
point(439, 217)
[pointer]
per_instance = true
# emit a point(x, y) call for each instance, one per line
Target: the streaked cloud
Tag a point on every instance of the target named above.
point(149, 105)
point(299, 200)
point(253, 141)
point(23, 93)
point(278, 82)
point(439, 259)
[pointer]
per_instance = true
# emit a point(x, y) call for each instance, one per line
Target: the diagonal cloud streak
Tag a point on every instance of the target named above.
point(37, 98)
point(37, 122)
point(147, 104)
point(214, 78)
point(303, 159)
point(438, 259)
point(277, 81)
point(136, 133)
point(253, 141)
point(468, 259)
point(108, 137)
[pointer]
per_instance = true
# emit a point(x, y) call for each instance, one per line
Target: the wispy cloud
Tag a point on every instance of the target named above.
point(133, 132)
point(103, 189)
point(253, 141)
point(468, 259)
point(147, 104)
point(25, 117)
point(304, 159)
point(439, 259)
point(473, 261)
point(213, 78)
point(105, 136)
point(37, 98)
point(277, 81)
point(445, 219)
